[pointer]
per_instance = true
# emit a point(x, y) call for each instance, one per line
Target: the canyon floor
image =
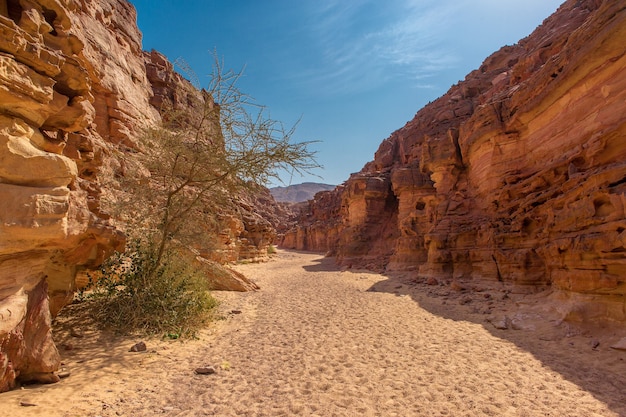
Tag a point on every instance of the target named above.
point(319, 341)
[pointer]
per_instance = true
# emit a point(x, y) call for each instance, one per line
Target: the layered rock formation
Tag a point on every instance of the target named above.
point(317, 225)
point(51, 224)
point(243, 229)
point(76, 90)
point(515, 176)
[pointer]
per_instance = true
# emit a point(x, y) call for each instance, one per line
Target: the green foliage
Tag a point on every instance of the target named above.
point(200, 157)
point(172, 193)
point(137, 293)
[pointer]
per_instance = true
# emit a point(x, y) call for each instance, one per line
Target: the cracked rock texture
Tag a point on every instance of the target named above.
point(516, 176)
point(76, 90)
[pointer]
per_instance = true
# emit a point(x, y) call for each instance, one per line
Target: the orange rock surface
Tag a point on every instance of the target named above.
point(517, 175)
point(76, 90)
point(50, 149)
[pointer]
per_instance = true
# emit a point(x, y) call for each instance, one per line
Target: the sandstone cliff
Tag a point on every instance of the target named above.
point(243, 230)
point(76, 90)
point(515, 176)
point(52, 96)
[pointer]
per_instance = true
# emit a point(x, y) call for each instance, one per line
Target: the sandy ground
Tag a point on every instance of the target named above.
point(317, 341)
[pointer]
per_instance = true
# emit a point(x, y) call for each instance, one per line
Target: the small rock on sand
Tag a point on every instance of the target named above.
point(76, 333)
point(500, 323)
point(138, 347)
point(621, 345)
point(205, 370)
point(432, 281)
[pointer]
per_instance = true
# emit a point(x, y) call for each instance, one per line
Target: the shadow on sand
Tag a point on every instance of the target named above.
point(581, 354)
point(323, 264)
point(86, 350)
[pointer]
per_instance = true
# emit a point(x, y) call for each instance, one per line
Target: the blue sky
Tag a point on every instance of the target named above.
point(352, 71)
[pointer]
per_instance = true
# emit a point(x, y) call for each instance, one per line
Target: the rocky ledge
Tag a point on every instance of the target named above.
point(76, 90)
point(515, 177)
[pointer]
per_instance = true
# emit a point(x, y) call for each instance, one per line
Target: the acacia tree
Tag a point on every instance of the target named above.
point(187, 167)
point(226, 144)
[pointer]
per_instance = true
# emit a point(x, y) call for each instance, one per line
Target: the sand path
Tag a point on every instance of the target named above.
point(316, 341)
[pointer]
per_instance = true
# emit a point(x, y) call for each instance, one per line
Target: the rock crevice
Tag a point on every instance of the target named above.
point(514, 176)
point(76, 92)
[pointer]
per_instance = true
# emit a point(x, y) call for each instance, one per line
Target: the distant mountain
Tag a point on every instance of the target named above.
point(298, 193)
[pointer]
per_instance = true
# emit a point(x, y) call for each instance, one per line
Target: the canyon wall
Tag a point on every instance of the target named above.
point(54, 105)
point(243, 229)
point(76, 91)
point(517, 175)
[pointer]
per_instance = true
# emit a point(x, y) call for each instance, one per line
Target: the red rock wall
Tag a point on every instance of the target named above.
point(317, 225)
point(76, 90)
point(50, 150)
point(244, 230)
point(516, 175)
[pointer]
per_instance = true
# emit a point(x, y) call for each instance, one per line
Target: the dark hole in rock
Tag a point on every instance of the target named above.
point(13, 10)
point(50, 16)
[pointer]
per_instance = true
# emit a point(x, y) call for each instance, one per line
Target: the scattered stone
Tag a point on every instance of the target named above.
point(68, 346)
point(205, 370)
point(432, 281)
point(595, 343)
point(63, 373)
point(455, 286)
point(501, 323)
point(521, 323)
point(27, 404)
point(235, 311)
point(621, 345)
point(76, 333)
point(138, 347)
point(465, 300)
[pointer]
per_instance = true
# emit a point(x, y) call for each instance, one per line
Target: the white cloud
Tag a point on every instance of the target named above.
point(360, 45)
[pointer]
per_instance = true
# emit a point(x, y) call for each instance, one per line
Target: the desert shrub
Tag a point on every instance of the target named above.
point(171, 192)
point(198, 158)
point(134, 292)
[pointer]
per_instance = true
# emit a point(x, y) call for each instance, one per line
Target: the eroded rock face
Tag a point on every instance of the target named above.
point(242, 226)
point(516, 175)
point(50, 223)
point(76, 92)
point(317, 225)
point(244, 234)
